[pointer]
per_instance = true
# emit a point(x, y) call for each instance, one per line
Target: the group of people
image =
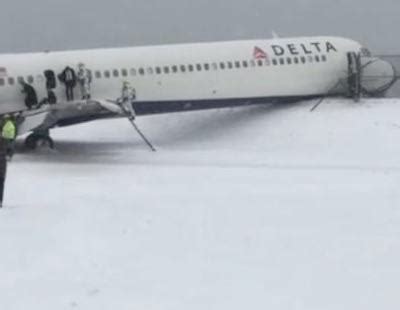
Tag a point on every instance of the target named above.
point(71, 79)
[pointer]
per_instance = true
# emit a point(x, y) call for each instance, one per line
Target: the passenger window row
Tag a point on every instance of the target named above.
point(200, 67)
point(299, 60)
point(174, 69)
point(12, 81)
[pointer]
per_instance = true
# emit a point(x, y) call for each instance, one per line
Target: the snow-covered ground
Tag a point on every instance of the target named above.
point(249, 208)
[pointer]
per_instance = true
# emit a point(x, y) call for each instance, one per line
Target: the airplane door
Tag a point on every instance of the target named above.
point(51, 81)
point(51, 84)
point(354, 75)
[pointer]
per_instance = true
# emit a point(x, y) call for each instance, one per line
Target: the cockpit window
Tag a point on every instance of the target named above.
point(365, 52)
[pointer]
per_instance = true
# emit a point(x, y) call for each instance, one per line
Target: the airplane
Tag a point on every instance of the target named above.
point(188, 77)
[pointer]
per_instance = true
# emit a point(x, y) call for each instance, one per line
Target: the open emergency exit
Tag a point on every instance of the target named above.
point(51, 84)
point(354, 75)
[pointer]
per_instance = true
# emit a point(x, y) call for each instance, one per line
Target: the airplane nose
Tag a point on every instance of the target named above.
point(378, 76)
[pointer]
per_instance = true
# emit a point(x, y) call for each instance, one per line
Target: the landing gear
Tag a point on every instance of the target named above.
point(39, 140)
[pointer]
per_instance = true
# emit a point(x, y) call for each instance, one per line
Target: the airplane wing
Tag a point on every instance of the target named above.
point(43, 119)
point(65, 114)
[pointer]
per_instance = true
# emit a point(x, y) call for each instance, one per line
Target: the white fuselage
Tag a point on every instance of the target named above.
point(256, 77)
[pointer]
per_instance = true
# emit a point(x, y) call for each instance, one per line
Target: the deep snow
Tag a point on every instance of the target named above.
point(249, 208)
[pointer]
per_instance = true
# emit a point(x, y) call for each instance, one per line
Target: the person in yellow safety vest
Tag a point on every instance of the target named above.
point(3, 168)
point(9, 134)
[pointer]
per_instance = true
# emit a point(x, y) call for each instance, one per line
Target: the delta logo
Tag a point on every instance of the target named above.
point(303, 48)
point(259, 54)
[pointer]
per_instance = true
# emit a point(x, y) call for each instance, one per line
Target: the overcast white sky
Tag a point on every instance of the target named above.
point(54, 24)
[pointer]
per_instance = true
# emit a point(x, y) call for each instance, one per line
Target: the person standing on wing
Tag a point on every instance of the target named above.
point(128, 95)
point(84, 79)
point(68, 77)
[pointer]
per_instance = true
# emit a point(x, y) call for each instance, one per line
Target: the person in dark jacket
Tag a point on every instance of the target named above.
point(3, 167)
point(68, 77)
point(31, 99)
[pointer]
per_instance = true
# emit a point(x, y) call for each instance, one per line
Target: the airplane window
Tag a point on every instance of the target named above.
point(274, 62)
point(206, 67)
point(191, 68)
point(107, 74)
point(115, 73)
point(303, 59)
point(2, 82)
point(317, 58)
point(198, 67)
point(158, 70)
point(245, 63)
point(296, 60)
point(11, 81)
point(183, 68)
point(174, 69)
point(133, 71)
point(323, 57)
point(166, 70)
point(289, 61)
point(282, 61)
point(150, 70)
point(252, 63)
point(124, 72)
point(141, 71)
point(310, 59)
point(30, 79)
point(230, 65)
point(222, 65)
point(260, 63)
point(97, 74)
point(237, 64)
